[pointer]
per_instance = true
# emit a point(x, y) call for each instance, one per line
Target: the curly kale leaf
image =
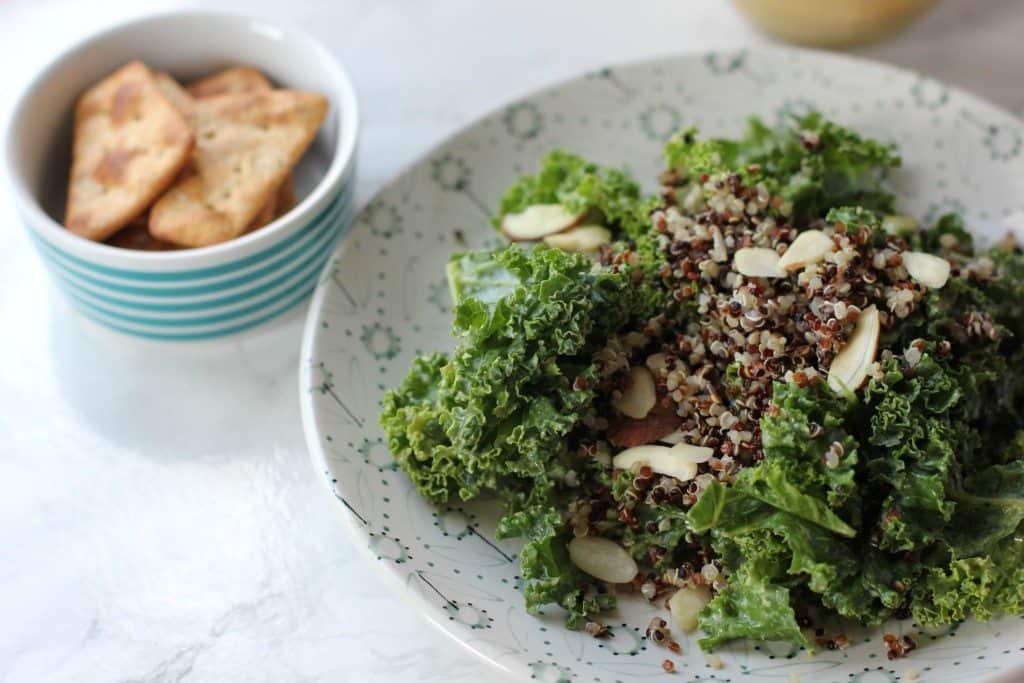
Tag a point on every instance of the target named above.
point(914, 451)
point(696, 157)
point(497, 413)
point(503, 403)
point(750, 607)
point(803, 425)
point(582, 186)
point(985, 575)
point(551, 577)
point(980, 586)
point(415, 433)
point(990, 508)
point(813, 163)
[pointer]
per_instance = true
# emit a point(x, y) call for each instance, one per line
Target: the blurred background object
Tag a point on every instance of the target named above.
point(832, 23)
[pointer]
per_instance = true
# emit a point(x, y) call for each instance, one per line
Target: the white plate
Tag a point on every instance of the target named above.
point(383, 300)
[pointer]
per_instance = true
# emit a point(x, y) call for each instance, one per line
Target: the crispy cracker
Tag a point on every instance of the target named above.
point(129, 145)
point(136, 236)
point(286, 199)
point(247, 144)
point(281, 203)
point(237, 79)
point(266, 215)
point(241, 79)
point(175, 94)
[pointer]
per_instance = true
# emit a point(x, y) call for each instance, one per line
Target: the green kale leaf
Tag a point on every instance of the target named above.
point(812, 163)
point(611, 195)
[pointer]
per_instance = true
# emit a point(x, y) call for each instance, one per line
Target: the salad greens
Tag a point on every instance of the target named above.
point(902, 497)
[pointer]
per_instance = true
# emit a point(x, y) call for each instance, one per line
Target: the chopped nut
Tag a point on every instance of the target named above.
point(928, 269)
point(810, 246)
point(639, 396)
point(537, 221)
point(665, 460)
point(850, 368)
point(686, 604)
point(585, 239)
point(603, 559)
point(758, 262)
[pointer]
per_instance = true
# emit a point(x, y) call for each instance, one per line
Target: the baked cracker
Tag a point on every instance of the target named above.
point(286, 199)
point(129, 144)
point(237, 79)
point(241, 79)
point(136, 236)
point(175, 94)
point(246, 145)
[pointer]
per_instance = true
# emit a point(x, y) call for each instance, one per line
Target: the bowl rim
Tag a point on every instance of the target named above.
point(342, 163)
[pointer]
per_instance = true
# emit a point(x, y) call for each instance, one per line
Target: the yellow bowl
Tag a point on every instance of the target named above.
point(832, 23)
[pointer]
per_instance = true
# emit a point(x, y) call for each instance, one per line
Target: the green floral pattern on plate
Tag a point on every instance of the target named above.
point(383, 299)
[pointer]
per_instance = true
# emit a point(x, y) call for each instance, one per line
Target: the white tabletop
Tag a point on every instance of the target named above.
point(159, 518)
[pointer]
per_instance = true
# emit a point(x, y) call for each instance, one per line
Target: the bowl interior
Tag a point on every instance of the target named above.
point(187, 46)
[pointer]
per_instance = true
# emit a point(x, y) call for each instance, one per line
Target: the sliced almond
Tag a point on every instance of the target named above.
point(656, 362)
point(603, 559)
point(929, 270)
point(585, 239)
point(672, 462)
point(694, 454)
point(758, 262)
point(850, 367)
point(675, 437)
point(686, 605)
point(537, 221)
point(809, 247)
point(718, 249)
point(639, 396)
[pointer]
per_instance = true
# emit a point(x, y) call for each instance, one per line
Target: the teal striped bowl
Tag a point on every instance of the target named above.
point(196, 293)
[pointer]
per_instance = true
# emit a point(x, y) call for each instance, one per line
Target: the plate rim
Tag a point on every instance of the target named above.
point(308, 410)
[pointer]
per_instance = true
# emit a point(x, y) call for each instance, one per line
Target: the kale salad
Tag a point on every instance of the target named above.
point(761, 397)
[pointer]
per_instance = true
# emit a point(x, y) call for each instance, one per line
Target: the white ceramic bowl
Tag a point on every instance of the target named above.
point(195, 293)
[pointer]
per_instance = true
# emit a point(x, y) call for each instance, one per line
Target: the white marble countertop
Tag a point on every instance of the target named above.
point(159, 519)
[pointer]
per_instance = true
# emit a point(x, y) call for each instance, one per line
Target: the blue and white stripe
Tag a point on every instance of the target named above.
point(205, 302)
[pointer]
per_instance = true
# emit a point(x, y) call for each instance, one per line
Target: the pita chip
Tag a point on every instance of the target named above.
point(246, 145)
point(237, 79)
point(129, 144)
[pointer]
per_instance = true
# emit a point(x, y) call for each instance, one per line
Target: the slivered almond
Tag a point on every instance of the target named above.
point(603, 559)
point(584, 239)
point(758, 262)
point(537, 221)
point(656, 362)
point(850, 367)
point(673, 438)
point(679, 461)
point(639, 396)
point(929, 270)
point(694, 454)
point(809, 247)
point(686, 604)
